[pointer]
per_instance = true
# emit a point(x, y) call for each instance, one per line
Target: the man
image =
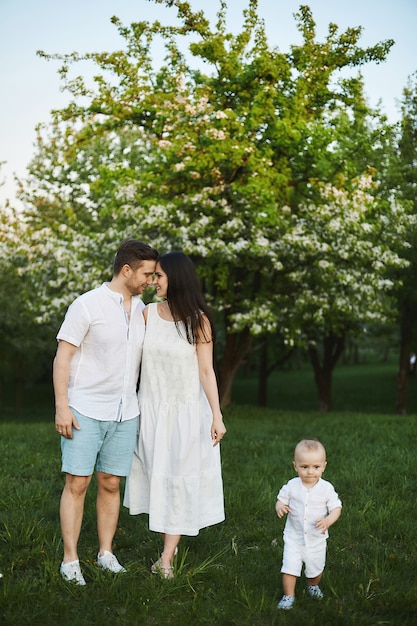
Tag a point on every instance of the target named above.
point(95, 375)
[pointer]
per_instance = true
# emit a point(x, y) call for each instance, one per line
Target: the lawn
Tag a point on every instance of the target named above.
point(230, 573)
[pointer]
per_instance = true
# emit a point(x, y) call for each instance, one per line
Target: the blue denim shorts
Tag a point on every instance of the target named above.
point(106, 446)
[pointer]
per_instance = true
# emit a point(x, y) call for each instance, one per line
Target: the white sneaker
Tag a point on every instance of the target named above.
point(286, 602)
point(72, 572)
point(108, 561)
point(315, 592)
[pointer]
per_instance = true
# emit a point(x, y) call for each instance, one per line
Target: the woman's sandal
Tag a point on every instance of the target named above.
point(164, 572)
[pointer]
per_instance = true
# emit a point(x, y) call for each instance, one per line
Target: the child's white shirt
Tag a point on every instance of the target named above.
point(307, 505)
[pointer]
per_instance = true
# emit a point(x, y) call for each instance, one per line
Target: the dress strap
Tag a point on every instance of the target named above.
point(151, 307)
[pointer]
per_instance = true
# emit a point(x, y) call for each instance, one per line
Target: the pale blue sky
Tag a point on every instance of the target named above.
point(30, 85)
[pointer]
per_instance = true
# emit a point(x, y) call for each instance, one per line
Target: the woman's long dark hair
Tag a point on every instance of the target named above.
point(184, 297)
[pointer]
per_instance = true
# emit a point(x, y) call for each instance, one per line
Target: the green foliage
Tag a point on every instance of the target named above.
point(256, 163)
point(400, 178)
point(403, 179)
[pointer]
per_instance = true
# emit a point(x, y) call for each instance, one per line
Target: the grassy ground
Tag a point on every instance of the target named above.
point(229, 574)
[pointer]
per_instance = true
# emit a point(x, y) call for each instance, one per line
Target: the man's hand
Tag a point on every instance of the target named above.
point(65, 421)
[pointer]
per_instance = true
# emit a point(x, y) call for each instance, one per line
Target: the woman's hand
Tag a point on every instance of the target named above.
point(218, 430)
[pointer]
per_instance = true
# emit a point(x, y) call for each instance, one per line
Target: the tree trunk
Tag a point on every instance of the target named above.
point(266, 370)
point(356, 354)
point(263, 374)
point(236, 348)
point(323, 379)
point(405, 348)
point(19, 391)
point(402, 378)
point(323, 372)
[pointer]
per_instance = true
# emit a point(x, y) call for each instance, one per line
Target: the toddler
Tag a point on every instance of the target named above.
point(313, 506)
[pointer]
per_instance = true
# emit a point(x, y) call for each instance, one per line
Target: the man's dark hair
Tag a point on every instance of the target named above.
point(132, 252)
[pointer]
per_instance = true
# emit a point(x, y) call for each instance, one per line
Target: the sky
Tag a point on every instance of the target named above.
point(30, 85)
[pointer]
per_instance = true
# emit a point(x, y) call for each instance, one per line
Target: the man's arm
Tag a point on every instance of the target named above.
point(64, 417)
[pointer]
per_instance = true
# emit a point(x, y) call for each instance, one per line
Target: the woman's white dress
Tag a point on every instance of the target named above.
point(176, 472)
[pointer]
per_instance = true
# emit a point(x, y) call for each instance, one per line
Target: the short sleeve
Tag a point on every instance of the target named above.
point(333, 501)
point(284, 494)
point(75, 325)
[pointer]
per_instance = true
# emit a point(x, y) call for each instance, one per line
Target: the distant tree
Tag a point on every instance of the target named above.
point(401, 180)
point(25, 345)
point(246, 167)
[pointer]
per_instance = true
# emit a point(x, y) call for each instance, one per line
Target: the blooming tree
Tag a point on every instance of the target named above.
point(243, 164)
point(401, 180)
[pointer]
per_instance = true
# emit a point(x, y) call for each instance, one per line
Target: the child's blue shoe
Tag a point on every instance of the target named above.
point(286, 602)
point(315, 592)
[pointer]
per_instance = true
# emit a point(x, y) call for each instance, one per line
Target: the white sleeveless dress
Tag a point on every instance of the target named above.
point(176, 473)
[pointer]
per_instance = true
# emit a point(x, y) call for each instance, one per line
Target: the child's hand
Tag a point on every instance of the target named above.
point(325, 523)
point(322, 524)
point(281, 509)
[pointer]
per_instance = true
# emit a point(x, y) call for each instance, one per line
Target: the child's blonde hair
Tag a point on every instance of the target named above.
point(310, 444)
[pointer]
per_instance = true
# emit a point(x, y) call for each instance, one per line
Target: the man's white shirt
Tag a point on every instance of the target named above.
point(105, 368)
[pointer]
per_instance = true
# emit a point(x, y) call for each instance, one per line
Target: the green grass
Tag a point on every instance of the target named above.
point(230, 573)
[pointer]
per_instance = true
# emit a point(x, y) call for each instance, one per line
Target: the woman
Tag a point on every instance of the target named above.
point(176, 473)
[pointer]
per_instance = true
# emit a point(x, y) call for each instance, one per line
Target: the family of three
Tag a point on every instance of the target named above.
point(165, 438)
